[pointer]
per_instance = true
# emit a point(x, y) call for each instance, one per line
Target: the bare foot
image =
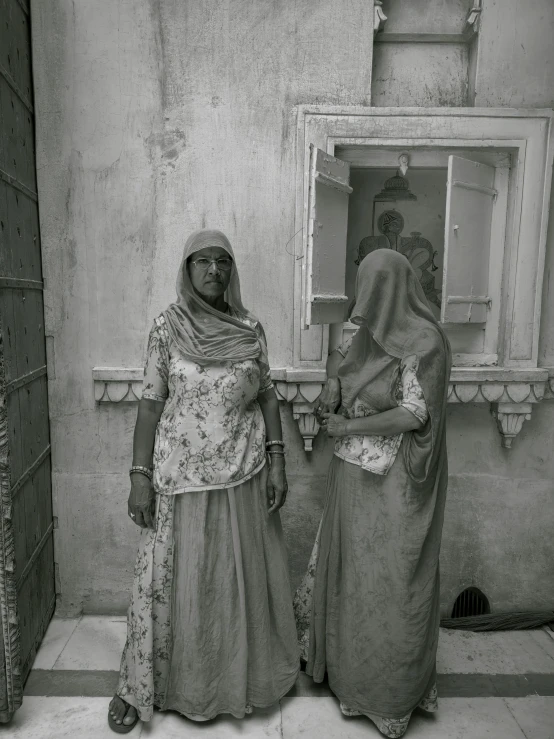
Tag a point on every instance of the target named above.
point(121, 712)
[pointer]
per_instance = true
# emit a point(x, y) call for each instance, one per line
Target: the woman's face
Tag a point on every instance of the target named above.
point(210, 281)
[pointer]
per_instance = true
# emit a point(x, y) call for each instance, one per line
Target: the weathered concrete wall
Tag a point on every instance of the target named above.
point(421, 74)
point(499, 516)
point(498, 519)
point(97, 74)
point(157, 117)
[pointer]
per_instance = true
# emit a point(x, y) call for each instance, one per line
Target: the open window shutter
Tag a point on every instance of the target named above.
point(325, 298)
point(469, 203)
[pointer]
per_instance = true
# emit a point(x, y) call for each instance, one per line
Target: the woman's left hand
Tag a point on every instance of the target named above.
point(334, 425)
point(277, 486)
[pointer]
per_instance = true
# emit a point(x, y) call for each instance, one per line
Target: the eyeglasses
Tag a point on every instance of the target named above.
point(222, 263)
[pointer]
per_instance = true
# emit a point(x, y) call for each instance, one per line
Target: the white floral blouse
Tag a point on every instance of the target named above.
point(211, 433)
point(377, 453)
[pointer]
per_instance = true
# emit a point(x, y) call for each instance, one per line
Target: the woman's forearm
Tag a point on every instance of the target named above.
point(149, 412)
point(389, 423)
point(272, 418)
point(334, 361)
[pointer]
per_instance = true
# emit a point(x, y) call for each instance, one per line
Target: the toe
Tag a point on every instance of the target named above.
point(117, 709)
point(131, 716)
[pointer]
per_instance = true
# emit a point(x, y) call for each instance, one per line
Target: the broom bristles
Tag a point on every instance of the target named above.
point(500, 621)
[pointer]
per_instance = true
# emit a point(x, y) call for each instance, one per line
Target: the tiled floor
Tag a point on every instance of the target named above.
point(489, 681)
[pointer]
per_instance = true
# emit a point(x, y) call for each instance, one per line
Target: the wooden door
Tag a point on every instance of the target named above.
point(27, 596)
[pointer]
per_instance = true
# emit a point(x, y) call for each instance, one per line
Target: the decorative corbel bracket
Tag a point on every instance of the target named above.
point(549, 393)
point(510, 418)
point(379, 17)
point(469, 32)
point(473, 20)
point(511, 393)
point(303, 397)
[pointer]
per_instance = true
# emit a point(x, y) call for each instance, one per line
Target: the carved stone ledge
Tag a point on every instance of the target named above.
point(493, 392)
point(497, 385)
point(117, 384)
point(511, 392)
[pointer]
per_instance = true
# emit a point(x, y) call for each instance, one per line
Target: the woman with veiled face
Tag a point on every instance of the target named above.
point(368, 608)
point(210, 627)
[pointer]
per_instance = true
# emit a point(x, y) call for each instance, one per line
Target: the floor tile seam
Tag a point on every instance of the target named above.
point(78, 622)
point(545, 651)
point(281, 727)
point(505, 701)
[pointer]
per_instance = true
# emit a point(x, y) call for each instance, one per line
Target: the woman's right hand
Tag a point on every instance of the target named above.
point(329, 400)
point(142, 500)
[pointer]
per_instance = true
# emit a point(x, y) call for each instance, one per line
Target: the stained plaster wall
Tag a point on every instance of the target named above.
point(158, 117)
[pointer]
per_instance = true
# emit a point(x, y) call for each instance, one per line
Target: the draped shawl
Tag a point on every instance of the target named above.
point(392, 312)
point(202, 333)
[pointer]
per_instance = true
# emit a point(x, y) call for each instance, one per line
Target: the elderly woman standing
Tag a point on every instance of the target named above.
point(368, 608)
point(210, 626)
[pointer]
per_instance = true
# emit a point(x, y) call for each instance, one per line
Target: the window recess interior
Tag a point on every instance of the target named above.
point(448, 214)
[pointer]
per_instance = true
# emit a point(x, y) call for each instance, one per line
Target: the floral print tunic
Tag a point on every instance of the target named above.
point(377, 453)
point(211, 433)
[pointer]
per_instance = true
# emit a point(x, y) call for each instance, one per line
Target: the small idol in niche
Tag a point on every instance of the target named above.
point(417, 249)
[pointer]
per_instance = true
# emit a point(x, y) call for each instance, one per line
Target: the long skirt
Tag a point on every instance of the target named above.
point(367, 610)
point(210, 627)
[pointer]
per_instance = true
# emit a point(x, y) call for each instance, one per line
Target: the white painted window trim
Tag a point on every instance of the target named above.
point(530, 133)
point(470, 128)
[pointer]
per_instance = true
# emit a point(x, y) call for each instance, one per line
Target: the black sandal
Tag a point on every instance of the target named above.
point(122, 728)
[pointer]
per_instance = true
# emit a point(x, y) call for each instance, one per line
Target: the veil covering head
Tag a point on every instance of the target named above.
point(396, 322)
point(204, 334)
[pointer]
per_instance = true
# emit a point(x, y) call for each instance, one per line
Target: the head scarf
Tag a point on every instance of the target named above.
point(202, 333)
point(393, 313)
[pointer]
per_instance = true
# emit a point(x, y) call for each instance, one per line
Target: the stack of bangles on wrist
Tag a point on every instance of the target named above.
point(146, 471)
point(275, 452)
